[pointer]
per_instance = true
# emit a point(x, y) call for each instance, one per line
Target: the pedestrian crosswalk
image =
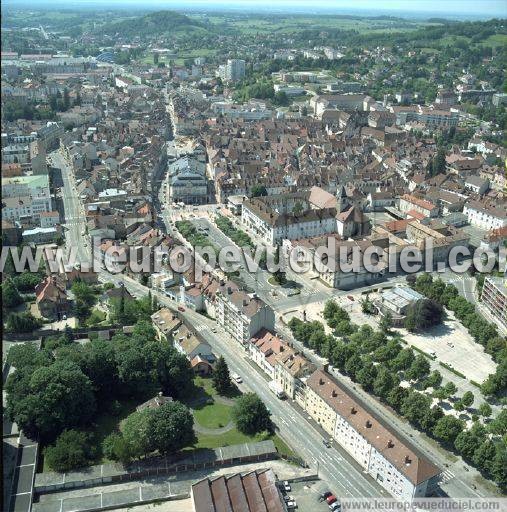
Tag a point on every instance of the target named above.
point(446, 476)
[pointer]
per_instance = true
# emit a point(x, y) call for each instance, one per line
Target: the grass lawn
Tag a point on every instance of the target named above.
point(217, 414)
point(213, 415)
point(209, 412)
point(235, 437)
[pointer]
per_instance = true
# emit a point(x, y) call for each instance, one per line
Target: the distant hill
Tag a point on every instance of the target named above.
point(153, 24)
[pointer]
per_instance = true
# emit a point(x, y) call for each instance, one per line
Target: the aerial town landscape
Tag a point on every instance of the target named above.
point(253, 255)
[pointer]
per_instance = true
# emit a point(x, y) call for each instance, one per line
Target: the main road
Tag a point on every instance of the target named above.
point(75, 220)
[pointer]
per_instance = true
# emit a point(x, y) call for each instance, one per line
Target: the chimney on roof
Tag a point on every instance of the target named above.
point(368, 424)
point(321, 382)
point(245, 302)
point(408, 460)
point(334, 394)
point(160, 393)
point(229, 290)
point(390, 443)
point(353, 410)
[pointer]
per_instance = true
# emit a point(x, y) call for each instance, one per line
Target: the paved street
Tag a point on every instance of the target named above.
point(75, 223)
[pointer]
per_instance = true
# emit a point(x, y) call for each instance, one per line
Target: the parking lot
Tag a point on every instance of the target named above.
point(306, 495)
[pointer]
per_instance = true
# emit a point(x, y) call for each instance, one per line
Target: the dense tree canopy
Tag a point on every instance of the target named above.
point(251, 415)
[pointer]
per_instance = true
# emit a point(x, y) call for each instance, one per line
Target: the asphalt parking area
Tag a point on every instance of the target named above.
point(306, 495)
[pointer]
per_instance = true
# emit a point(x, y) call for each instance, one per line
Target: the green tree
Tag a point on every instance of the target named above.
point(71, 450)
point(419, 369)
point(386, 322)
point(259, 190)
point(387, 352)
point(22, 322)
point(397, 396)
point(27, 281)
point(28, 355)
point(330, 309)
point(251, 415)
point(484, 456)
point(137, 434)
point(385, 382)
point(450, 389)
point(98, 363)
point(353, 366)
point(84, 299)
point(10, 295)
point(499, 425)
point(221, 377)
point(434, 379)
point(485, 410)
point(499, 467)
point(448, 428)
point(423, 314)
point(366, 375)
point(416, 408)
point(115, 447)
point(403, 359)
point(467, 399)
point(171, 428)
point(438, 163)
point(468, 441)
point(54, 398)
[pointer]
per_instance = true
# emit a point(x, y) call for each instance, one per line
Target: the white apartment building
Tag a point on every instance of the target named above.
point(26, 197)
point(392, 462)
point(484, 216)
point(274, 219)
point(494, 298)
point(234, 70)
point(242, 315)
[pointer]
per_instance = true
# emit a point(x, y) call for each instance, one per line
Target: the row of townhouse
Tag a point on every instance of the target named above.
point(391, 461)
point(185, 340)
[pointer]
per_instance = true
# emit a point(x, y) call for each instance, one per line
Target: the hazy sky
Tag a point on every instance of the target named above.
point(485, 8)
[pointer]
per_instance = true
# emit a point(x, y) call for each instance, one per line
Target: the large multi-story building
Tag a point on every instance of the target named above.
point(485, 216)
point(233, 71)
point(187, 181)
point(26, 197)
point(494, 298)
point(242, 314)
point(393, 462)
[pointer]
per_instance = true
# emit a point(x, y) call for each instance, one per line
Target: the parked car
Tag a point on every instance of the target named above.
point(291, 504)
point(335, 506)
point(331, 499)
point(326, 443)
point(286, 486)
